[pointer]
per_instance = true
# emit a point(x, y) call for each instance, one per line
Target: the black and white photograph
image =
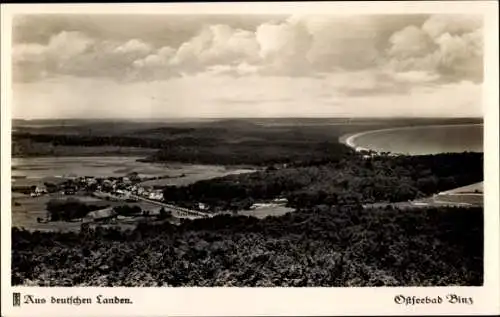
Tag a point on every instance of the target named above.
point(247, 150)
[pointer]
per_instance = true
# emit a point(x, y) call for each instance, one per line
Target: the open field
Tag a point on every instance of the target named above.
point(469, 195)
point(26, 210)
point(41, 169)
point(472, 188)
point(182, 175)
point(270, 210)
point(83, 166)
point(35, 181)
point(471, 199)
point(476, 200)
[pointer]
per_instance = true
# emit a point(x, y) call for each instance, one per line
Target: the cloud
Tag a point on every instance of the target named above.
point(242, 69)
point(217, 48)
point(415, 49)
point(284, 47)
point(410, 42)
point(153, 66)
point(34, 61)
point(216, 44)
point(461, 56)
point(194, 66)
point(415, 77)
point(369, 82)
point(342, 42)
point(76, 54)
point(62, 46)
point(205, 95)
point(134, 46)
point(155, 29)
point(453, 24)
point(451, 46)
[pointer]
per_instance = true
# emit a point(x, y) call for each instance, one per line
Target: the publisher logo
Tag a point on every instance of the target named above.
point(16, 298)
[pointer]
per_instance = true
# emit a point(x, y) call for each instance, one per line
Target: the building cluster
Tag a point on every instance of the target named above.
point(126, 189)
point(110, 215)
point(123, 188)
point(368, 154)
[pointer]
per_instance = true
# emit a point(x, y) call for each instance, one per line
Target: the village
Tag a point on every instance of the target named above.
point(112, 187)
point(126, 199)
point(127, 190)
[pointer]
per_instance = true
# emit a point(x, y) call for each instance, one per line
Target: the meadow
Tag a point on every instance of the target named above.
point(26, 210)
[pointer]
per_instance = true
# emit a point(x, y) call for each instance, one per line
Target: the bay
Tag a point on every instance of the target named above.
point(420, 140)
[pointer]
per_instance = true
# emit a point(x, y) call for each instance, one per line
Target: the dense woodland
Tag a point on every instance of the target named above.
point(322, 246)
point(352, 180)
point(204, 150)
point(69, 209)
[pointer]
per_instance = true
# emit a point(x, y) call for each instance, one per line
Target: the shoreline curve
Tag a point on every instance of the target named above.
point(348, 139)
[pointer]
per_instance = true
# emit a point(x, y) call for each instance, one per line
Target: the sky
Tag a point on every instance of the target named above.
point(183, 66)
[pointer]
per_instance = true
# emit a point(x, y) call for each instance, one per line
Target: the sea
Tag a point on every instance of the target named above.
point(421, 140)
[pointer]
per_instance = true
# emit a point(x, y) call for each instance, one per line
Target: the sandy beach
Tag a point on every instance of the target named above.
point(349, 139)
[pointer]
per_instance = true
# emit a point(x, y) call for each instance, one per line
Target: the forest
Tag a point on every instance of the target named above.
point(68, 209)
point(353, 180)
point(320, 246)
point(204, 150)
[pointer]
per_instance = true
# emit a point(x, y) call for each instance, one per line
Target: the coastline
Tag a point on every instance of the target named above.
point(349, 139)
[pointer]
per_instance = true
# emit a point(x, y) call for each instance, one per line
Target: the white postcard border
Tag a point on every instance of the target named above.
point(269, 301)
